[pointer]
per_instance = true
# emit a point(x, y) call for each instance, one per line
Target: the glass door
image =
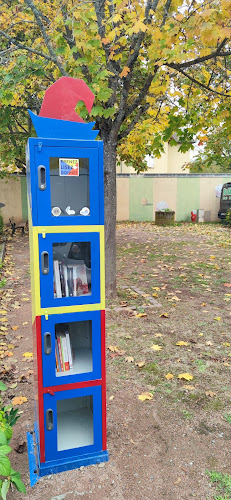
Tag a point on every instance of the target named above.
point(67, 185)
point(71, 346)
point(73, 423)
point(69, 269)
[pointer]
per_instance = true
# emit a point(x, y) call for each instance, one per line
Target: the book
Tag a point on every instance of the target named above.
point(57, 279)
point(82, 279)
point(62, 279)
point(74, 281)
point(64, 351)
point(69, 350)
point(58, 365)
point(65, 280)
point(70, 280)
point(60, 353)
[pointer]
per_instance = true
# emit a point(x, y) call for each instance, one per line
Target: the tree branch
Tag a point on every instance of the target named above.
point(126, 132)
point(46, 38)
point(24, 47)
point(213, 55)
point(197, 82)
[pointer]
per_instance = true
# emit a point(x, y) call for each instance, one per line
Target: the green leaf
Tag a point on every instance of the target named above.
point(5, 466)
point(5, 488)
point(18, 483)
point(2, 386)
point(4, 449)
point(3, 439)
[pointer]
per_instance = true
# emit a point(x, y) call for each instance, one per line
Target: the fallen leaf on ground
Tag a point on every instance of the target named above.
point(226, 344)
point(227, 285)
point(164, 315)
point(181, 343)
point(217, 318)
point(178, 481)
point(188, 387)
point(113, 348)
point(15, 327)
point(28, 354)
point(129, 359)
point(211, 394)
point(185, 376)
point(145, 396)
point(140, 364)
point(19, 400)
point(111, 398)
point(18, 336)
point(141, 315)
point(25, 323)
point(3, 312)
point(158, 335)
point(169, 376)
point(3, 328)
point(156, 347)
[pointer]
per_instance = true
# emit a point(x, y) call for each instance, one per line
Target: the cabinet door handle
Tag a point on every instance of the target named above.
point(45, 262)
point(47, 343)
point(49, 420)
point(42, 177)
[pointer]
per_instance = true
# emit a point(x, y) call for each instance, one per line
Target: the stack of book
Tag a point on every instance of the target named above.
point(70, 280)
point(63, 351)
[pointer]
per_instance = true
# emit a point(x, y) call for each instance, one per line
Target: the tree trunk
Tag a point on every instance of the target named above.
point(110, 214)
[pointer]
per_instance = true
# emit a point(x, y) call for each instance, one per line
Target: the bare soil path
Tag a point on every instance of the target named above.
point(159, 448)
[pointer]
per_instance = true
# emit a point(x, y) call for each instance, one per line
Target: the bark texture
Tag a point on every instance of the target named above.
point(110, 214)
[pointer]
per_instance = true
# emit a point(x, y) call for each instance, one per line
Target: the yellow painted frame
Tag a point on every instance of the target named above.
point(35, 278)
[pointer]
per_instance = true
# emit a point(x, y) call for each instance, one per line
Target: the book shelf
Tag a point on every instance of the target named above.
point(66, 227)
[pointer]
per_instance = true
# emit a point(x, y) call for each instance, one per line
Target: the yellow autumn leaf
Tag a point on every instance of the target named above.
point(156, 347)
point(125, 72)
point(227, 344)
point(141, 315)
point(164, 315)
point(157, 335)
point(217, 318)
point(212, 257)
point(185, 376)
point(211, 394)
point(129, 359)
point(169, 376)
point(28, 354)
point(15, 327)
point(145, 396)
point(155, 294)
point(140, 364)
point(113, 348)
point(3, 328)
point(182, 343)
point(3, 312)
point(25, 323)
point(188, 387)
point(155, 288)
point(19, 400)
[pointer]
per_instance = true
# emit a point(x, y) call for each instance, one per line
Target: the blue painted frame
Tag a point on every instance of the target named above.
point(48, 360)
point(39, 151)
point(50, 402)
point(46, 281)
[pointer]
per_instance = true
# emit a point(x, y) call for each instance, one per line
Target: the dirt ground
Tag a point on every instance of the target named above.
point(173, 288)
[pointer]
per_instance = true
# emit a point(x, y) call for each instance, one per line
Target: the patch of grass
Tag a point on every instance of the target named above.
point(2, 283)
point(152, 368)
point(227, 417)
point(214, 405)
point(222, 482)
point(201, 365)
point(187, 415)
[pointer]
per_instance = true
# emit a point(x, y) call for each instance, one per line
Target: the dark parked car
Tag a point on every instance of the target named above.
point(225, 200)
